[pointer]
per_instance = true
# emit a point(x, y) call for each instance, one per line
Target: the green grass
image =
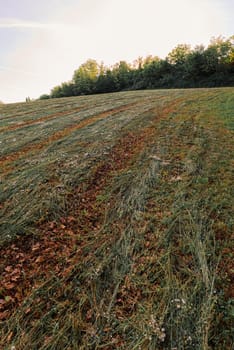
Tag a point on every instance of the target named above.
point(116, 221)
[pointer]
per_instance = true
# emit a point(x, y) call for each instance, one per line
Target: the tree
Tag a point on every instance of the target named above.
point(222, 47)
point(183, 67)
point(106, 82)
point(138, 63)
point(67, 89)
point(85, 77)
point(194, 64)
point(157, 74)
point(56, 92)
point(121, 74)
point(179, 54)
point(44, 97)
point(150, 59)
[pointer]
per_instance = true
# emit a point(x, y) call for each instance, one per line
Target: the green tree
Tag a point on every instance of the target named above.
point(150, 59)
point(223, 48)
point(217, 55)
point(67, 89)
point(85, 77)
point(44, 97)
point(157, 74)
point(122, 75)
point(56, 92)
point(179, 54)
point(194, 64)
point(183, 67)
point(107, 82)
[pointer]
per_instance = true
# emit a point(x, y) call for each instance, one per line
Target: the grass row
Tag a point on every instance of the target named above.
point(152, 268)
point(40, 177)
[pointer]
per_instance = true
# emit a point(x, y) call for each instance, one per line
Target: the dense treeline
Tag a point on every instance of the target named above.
point(182, 68)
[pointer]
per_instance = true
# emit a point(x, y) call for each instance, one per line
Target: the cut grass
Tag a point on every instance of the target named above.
point(128, 222)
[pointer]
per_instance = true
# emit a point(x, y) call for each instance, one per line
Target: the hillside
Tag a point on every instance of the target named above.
point(116, 221)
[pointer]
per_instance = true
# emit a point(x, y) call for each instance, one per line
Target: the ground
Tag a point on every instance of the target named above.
point(116, 221)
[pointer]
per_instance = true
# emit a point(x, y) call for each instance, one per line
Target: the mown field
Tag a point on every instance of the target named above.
point(116, 221)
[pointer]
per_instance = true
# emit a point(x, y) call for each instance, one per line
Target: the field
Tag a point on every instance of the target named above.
point(116, 220)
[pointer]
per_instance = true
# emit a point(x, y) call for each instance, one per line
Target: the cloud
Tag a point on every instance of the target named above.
point(19, 23)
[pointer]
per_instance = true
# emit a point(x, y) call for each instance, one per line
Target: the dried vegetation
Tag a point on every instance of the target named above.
point(116, 221)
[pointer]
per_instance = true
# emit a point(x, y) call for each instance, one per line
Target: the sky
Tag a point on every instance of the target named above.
point(43, 42)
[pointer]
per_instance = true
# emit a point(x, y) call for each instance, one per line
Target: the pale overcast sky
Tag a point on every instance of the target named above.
point(42, 42)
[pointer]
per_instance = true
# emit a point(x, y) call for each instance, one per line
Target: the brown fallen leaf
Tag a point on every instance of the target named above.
point(63, 220)
point(8, 268)
point(71, 219)
point(36, 246)
point(15, 278)
point(39, 259)
point(176, 178)
point(9, 286)
point(52, 225)
point(18, 296)
point(3, 315)
point(28, 310)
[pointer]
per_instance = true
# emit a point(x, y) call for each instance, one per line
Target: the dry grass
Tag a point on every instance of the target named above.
point(115, 234)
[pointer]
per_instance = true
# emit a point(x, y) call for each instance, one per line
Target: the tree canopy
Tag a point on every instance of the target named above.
point(183, 67)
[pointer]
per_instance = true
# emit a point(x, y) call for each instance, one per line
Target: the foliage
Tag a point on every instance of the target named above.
point(85, 77)
point(183, 67)
point(44, 97)
point(178, 55)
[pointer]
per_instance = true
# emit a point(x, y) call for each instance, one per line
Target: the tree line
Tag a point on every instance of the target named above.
point(183, 67)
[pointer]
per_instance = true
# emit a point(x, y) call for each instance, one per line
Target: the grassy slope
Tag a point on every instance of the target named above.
point(115, 221)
